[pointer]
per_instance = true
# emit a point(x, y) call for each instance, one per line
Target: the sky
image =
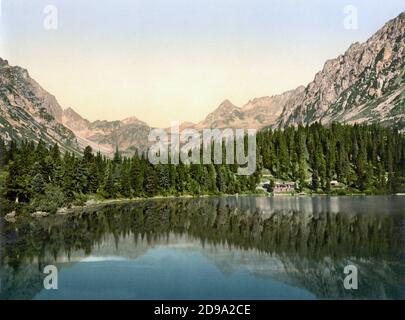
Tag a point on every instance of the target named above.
point(177, 60)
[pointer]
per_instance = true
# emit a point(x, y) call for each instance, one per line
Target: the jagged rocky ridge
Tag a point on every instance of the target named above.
point(127, 135)
point(256, 114)
point(29, 112)
point(364, 85)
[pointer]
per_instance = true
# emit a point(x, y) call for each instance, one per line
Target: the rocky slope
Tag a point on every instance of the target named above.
point(257, 113)
point(365, 84)
point(127, 135)
point(29, 112)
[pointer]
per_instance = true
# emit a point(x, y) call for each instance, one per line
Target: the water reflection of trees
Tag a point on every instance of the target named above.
point(304, 241)
point(212, 221)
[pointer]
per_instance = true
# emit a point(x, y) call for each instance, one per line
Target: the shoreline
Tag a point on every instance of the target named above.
point(94, 204)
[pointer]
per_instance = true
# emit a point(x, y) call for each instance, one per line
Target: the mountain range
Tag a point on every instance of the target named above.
point(366, 84)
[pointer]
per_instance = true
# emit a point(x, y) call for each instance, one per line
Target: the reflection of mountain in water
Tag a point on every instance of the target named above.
point(305, 242)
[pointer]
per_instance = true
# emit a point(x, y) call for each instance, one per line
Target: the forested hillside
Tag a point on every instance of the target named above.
point(46, 179)
point(363, 158)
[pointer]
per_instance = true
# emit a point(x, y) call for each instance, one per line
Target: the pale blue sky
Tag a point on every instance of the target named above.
point(164, 60)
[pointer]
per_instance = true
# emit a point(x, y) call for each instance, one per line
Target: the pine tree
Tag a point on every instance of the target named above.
point(137, 176)
point(150, 182)
point(38, 184)
point(108, 187)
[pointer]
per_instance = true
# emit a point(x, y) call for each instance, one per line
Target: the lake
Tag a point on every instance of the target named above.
point(211, 248)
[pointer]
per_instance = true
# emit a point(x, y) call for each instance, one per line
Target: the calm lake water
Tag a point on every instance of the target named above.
point(211, 248)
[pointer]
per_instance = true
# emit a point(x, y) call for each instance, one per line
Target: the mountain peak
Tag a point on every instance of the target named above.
point(73, 120)
point(132, 120)
point(224, 108)
point(70, 111)
point(226, 104)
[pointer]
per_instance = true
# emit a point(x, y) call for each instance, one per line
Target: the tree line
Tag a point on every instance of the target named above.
point(46, 179)
point(365, 158)
point(360, 157)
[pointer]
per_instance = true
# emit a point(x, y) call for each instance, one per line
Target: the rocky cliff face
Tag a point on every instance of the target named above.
point(365, 84)
point(27, 111)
